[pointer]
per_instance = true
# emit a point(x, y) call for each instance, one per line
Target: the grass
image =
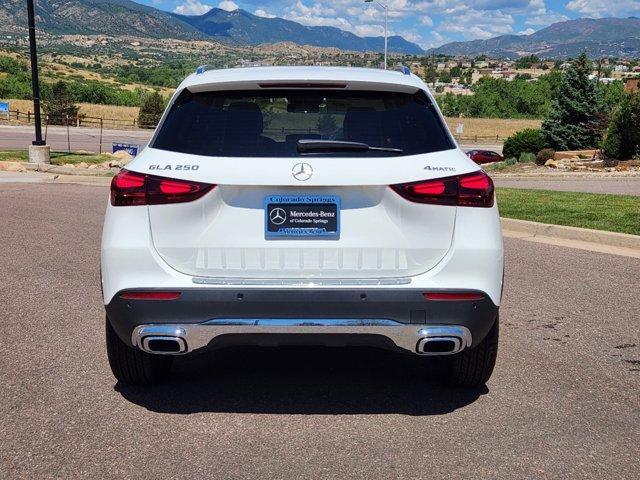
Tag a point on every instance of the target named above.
point(57, 158)
point(614, 213)
point(490, 127)
point(14, 156)
point(61, 158)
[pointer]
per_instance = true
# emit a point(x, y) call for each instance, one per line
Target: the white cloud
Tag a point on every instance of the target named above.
point(426, 20)
point(228, 6)
point(604, 8)
point(316, 15)
point(528, 31)
point(192, 7)
point(263, 13)
point(471, 24)
point(369, 30)
point(414, 37)
point(546, 19)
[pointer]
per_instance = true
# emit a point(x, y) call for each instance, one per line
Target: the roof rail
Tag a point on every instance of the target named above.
point(203, 68)
point(404, 69)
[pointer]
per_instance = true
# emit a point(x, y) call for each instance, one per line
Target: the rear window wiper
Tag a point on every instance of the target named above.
point(311, 145)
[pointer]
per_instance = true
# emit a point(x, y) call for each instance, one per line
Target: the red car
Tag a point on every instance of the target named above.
point(484, 156)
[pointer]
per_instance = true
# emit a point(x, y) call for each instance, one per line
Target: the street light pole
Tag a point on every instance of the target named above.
point(386, 24)
point(35, 83)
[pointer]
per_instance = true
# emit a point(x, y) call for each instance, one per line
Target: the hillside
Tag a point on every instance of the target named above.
point(243, 28)
point(127, 18)
point(105, 17)
point(615, 37)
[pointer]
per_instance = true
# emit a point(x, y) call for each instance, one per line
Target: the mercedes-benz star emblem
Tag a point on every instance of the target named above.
point(302, 171)
point(278, 216)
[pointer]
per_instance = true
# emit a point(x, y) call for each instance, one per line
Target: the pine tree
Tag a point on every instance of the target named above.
point(572, 123)
point(151, 108)
point(59, 105)
point(326, 124)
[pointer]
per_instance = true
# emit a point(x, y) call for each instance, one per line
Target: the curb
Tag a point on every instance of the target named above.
point(62, 170)
point(601, 237)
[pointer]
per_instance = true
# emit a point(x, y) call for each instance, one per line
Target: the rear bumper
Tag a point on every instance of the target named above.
point(391, 318)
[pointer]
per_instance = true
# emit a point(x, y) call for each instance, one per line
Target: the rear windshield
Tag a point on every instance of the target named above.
point(270, 123)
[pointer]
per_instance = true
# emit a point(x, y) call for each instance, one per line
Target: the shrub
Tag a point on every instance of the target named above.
point(527, 157)
point(544, 155)
point(528, 140)
point(622, 139)
point(510, 161)
point(151, 108)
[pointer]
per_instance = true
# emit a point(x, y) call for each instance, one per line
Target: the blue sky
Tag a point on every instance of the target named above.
point(429, 23)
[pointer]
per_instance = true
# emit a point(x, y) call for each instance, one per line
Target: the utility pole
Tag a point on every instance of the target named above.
point(386, 25)
point(38, 151)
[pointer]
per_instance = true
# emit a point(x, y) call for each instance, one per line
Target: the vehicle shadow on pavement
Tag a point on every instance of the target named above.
point(295, 380)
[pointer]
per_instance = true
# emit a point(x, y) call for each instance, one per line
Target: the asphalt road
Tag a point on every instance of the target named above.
point(562, 403)
point(88, 139)
point(611, 185)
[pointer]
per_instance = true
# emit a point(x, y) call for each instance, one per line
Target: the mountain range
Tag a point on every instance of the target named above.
point(242, 27)
point(125, 17)
point(600, 37)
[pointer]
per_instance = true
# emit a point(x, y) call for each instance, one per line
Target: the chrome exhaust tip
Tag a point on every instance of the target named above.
point(443, 340)
point(164, 345)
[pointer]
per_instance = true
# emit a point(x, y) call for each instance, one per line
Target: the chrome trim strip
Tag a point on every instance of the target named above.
point(300, 282)
point(306, 322)
point(411, 337)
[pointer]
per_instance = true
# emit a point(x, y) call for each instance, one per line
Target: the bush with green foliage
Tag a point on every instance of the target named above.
point(622, 139)
point(151, 108)
point(18, 86)
point(529, 140)
point(498, 98)
point(12, 66)
point(573, 121)
point(59, 106)
point(526, 157)
point(544, 155)
point(527, 61)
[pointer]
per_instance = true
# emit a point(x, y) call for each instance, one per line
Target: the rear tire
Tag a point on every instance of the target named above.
point(132, 366)
point(472, 368)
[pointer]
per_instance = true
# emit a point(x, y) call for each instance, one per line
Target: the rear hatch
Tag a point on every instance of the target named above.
point(299, 192)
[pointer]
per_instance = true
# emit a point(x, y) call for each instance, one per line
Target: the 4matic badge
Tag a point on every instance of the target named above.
point(439, 169)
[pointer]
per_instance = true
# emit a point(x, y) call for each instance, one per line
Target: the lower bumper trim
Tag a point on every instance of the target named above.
point(409, 337)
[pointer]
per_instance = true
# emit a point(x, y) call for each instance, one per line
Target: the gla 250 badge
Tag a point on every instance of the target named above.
point(174, 167)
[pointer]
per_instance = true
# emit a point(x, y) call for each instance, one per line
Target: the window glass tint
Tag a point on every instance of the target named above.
point(270, 123)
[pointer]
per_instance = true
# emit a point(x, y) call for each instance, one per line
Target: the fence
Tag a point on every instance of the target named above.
point(79, 120)
point(490, 139)
point(66, 133)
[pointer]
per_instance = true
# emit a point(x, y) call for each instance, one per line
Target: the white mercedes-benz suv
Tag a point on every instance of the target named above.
point(302, 205)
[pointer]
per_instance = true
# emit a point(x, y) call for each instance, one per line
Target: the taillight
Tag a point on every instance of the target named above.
point(470, 190)
point(132, 188)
